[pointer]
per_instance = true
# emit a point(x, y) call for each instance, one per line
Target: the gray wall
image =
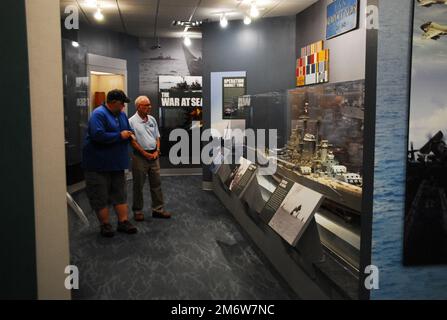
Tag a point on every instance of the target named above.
point(115, 45)
point(265, 50)
point(347, 52)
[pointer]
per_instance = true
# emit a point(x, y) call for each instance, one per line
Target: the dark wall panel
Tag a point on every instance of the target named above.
point(17, 237)
point(115, 45)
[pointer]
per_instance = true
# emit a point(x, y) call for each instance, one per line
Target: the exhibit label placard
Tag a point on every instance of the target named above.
point(247, 177)
point(275, 200)
point(295, 212)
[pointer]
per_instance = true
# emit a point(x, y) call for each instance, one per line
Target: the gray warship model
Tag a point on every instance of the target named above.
point(313, 161)
point(310, 156)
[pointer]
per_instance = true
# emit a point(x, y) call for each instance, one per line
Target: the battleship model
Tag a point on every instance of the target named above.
point(312, 157)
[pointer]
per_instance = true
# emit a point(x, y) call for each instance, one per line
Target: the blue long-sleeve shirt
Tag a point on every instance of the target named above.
point(104, 150)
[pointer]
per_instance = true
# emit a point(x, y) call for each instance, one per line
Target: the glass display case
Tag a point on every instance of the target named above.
point(319, 147)
point(76, 102)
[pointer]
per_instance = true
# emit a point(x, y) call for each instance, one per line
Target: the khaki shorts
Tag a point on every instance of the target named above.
point(105, 188)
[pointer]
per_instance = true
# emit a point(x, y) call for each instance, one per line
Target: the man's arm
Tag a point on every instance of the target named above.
point(156, 154)
point(98, 132)
point(134, 143)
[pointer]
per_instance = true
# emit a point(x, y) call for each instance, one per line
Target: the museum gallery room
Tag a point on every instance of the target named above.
point(222, 149)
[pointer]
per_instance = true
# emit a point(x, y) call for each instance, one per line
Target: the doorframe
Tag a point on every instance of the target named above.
point(109, 65)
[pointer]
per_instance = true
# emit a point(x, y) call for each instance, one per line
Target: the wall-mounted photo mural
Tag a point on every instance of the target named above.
point(168, 57)
point(425, 234)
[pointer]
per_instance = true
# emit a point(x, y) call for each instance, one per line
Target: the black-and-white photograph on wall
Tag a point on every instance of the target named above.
point(234, 104)
point(172, 58)
point(425, 234)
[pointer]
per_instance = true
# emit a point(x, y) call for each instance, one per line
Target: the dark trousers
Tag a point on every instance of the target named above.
point(142, 167)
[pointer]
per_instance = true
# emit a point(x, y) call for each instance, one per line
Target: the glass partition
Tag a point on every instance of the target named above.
point(76, 102)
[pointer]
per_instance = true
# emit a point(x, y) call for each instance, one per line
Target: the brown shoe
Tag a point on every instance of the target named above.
point(138, 216)
point(161, 215)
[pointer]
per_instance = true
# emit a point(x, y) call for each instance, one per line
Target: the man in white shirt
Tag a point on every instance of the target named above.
point(145, 160)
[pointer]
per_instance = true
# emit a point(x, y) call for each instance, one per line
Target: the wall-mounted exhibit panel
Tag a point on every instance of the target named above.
point(411, 260)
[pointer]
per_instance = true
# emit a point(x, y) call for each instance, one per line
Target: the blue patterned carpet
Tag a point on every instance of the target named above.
point(199, 254)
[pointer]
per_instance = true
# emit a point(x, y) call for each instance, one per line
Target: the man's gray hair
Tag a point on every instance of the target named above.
point(139, 99)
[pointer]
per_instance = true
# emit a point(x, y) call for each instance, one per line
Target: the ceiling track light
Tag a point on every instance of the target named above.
point(223, 21)
point(254, 11)
point(98, 14)
point(187, 41)
point(186, 24)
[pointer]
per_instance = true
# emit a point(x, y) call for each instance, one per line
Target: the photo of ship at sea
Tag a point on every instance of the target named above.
point(295, 213)
point(425, 227)
point(171, 58)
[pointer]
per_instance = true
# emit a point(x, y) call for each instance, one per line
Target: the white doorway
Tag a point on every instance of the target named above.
point(105, 74)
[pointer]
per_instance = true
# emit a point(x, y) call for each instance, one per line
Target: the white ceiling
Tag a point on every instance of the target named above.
point(138, 16)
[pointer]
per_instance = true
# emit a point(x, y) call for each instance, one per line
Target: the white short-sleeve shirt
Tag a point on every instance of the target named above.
point(146, 132)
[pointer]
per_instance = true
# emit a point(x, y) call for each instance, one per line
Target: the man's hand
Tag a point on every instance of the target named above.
point(148, 156)
point(126, 134)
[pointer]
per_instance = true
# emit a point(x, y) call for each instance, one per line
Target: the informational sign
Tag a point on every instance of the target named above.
point(245, 180)
point(275, 200)
point(234, 105)
point(295, 212)
point(238, 172)
point(342, 17)
point(180, 92)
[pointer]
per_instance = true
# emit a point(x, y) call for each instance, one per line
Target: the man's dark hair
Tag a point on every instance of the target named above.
point(117, 95)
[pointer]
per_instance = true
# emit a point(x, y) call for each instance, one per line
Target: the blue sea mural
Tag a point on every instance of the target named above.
point(396, 280)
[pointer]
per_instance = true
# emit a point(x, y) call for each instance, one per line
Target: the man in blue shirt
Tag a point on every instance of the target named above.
point(145, 160)
point(105, 157)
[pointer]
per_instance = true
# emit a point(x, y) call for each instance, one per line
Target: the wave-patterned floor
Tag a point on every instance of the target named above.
point(199, 254)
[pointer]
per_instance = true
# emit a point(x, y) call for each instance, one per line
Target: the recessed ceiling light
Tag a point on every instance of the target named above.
point(98, 73)
point(254, 11)
point(223, 21)
point(187, 41)
point(75, 44)
point(98, 15)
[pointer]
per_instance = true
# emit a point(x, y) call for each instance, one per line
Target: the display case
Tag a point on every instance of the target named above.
point(308, 213)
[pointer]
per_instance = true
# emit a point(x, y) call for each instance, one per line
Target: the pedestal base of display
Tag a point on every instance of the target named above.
point(295, 265)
